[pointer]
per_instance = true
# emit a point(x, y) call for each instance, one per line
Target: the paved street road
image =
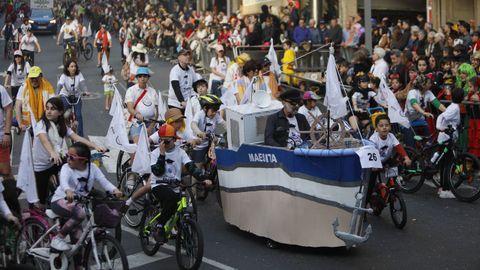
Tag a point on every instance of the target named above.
point(440, 234)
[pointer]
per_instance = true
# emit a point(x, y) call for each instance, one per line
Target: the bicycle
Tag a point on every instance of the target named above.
point(85, 51)
point(181, 227)
point(459, 170)
point(72, 100)
point(386, 193)
point(34, 242)
point(69, 53)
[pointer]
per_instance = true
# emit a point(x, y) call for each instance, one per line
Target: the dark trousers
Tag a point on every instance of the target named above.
point(168, 200)
point(10, 194)
point(43, 182)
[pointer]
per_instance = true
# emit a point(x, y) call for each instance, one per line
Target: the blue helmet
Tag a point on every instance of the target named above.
point(143, 71)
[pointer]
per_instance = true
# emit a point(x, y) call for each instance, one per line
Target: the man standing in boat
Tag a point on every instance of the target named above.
point(284, 127)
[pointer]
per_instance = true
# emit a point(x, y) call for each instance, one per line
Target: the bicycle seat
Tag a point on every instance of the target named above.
point(51, 214)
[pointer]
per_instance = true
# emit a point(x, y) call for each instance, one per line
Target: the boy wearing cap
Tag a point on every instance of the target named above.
point(181, 77)
point(176, 119)
point(309, 108)
point(16, 74)
point(168, 160)
point(68, 32)
point(284, 127)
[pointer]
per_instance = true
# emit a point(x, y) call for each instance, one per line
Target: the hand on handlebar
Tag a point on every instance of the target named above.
point(117, 193)
point(208, 182)
point(13, 219)
point(407, 161)
point(428, 115)
point(101, 149)
point(70, 196)
point(55, 158)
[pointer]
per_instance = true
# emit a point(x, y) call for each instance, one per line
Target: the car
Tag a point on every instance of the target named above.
point(43, 20)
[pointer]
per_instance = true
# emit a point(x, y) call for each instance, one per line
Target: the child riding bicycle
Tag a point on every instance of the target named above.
point(386, 143)
point(167, 162)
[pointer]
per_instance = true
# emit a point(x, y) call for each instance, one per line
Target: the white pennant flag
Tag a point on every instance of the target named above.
point(26, 175)
point(89, 30)
point(126, 50)
point(141, 163)
point(105, 66)
point(395, 112)
point(117, 137)
point(272, 56)
point(162, 107)
point(33, 121)
point(189, 116)
point(334, 100)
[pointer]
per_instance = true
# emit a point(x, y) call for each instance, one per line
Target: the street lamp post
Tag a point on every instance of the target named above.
point(368, 24)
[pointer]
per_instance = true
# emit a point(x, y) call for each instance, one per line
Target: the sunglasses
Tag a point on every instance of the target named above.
point(75, 157)
point(168, 141)
point(142, 76)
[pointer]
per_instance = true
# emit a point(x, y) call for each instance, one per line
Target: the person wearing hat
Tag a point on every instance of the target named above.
point(136, 59)
point(269, 77)
point(168, 161)
point(68, 32)
point(32, 96)
point(103, 43)
point(218, 65)
point(234, 70)
point(361, 99)
point(182, 76)
point(142, 104)
point(174, 117)
point(380, 66)
point(309, 108)
point(284, 127)
point(16, 74)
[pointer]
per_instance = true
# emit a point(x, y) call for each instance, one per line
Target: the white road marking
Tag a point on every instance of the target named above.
point(206, 260)
point(3, 74)
point(138, 259)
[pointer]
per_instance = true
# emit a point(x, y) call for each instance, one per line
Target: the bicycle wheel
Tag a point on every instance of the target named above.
point(88, 51)
point(149, 245)
point(189, 245)
point(398, 210)
point(110, 254)
point(463, 176)
point(31, 231)
point(411, 178)
point(132, 220)
point(123, 164)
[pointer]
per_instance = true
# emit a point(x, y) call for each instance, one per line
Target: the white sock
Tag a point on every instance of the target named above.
point(129, 201)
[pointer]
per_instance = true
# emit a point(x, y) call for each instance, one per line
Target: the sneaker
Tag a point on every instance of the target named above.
point(59, 244)
point(446, 194)
point(130, 182)
point(159, 235)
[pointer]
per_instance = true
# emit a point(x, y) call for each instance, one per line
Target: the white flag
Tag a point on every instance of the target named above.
point(272, 56)
point(395, 112)
point(141, 163)
point(117, 137)
point(189, 116)
point(89, 30)
point(126, 50)
point(26, 175)
point(334, 100)
point(105, 66)
point(162, 107)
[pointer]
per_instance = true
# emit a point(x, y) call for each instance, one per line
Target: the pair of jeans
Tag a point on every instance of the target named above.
point(78, 114)
point(216, 89)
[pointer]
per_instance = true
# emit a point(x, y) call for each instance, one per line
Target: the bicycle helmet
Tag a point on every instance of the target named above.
point(210, 101)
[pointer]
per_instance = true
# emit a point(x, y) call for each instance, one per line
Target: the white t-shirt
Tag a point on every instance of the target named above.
point(207, 125)
point(18, 77)
point(108, 81)
point(41, 157)
point(185, 78)
point(67, 30)
point(6, 100)
point(174, 162)
point(70, 86)
point(148, 105)
point(28, 43)
point(308, 114)
point(220, 65)
point(294, 136)
point(379, 68)
point(363, 103)
point(385, 147)
point(422, 99)
point(71, 179)
point(450, 117)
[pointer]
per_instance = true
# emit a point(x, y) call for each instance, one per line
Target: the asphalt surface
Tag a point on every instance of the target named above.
point(440, 234)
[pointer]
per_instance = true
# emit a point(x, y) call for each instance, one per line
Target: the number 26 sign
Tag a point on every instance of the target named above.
point(369, 157)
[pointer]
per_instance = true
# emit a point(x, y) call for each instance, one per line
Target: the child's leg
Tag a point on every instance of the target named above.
point(169, 200)
point(72, 211)
point(139, 193)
